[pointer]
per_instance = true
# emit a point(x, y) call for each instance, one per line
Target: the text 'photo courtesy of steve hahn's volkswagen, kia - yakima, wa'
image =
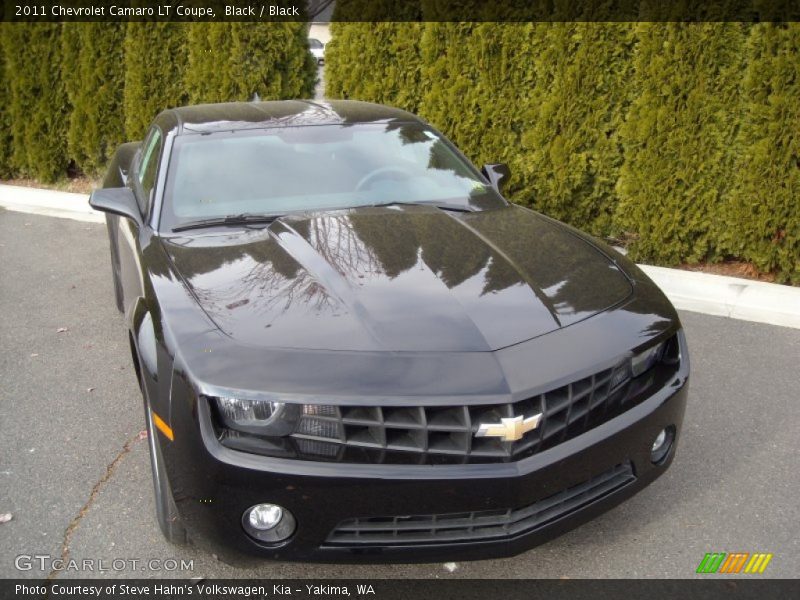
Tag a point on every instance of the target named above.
point(352, 347)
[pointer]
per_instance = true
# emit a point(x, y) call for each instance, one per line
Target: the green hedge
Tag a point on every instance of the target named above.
point(234, 61)
point(458, 78)
point(765, 198)
point(207, 76)
point(152, 83)
point(681, 138)
point(92, 54)
point(570, 151)
point(5, 123)
point(393, 72)
point(80, 89)
point(37, 102)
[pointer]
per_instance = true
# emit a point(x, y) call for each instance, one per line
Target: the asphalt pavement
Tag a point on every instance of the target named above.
point(75, 475)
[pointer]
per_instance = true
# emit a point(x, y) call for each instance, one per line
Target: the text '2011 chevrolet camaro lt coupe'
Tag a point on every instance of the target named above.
point(351, 347)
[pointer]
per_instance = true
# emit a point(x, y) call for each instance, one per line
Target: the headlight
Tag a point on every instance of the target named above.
point(258, 416)
point(644, 360)
point(277, 419)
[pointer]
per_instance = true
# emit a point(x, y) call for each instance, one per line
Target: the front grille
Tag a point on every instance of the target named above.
point(431, 434)
point(447, 434)
point(479, 525)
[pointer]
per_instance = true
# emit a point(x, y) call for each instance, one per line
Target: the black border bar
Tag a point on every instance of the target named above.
point(711, 587)
point(746, 11)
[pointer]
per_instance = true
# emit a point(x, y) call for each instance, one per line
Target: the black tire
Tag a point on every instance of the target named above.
point(114, 265)
point(117, 287)
point(169, 521)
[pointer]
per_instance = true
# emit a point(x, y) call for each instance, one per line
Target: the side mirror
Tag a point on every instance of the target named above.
point(497, 174)
point(117, 201)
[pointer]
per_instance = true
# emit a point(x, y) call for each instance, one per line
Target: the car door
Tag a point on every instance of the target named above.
point(142, 180)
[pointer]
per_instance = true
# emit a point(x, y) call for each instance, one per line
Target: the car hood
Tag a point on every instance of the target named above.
point(400, 279)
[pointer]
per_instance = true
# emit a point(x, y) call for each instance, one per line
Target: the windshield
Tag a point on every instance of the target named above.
point(322, 167)
point(312, 43)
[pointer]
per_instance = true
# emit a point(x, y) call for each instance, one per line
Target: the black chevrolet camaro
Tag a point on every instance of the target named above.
point(351, 347)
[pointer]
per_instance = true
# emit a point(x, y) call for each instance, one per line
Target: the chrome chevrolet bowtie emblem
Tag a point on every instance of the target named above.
point(509, 429)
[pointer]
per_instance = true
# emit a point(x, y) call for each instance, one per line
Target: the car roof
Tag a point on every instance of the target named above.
point(230, 116)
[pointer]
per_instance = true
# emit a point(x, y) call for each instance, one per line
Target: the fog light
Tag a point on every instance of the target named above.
point(265, 516)
point(662, 444)
point(660, 439)
point(268, 522)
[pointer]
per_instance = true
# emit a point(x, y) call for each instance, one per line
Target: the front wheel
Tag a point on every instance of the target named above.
point(166, 512)
point(114, 265)
point(117, 288)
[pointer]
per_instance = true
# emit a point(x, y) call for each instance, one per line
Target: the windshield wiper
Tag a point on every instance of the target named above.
point(242, 219)
point(439, 205)
point(253, 218)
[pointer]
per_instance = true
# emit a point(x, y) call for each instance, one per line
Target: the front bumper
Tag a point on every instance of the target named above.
point(214, 485)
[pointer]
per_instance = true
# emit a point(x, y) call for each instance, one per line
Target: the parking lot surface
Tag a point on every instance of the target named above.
point(75, 475)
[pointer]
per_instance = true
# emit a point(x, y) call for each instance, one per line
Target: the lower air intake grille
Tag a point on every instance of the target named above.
point(480, 525)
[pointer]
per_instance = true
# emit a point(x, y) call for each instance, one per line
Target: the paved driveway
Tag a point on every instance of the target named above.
point(76, 477)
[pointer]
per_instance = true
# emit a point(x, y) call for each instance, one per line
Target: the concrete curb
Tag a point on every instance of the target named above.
point(732, 297)
point(688, 290)
point(50, 203)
